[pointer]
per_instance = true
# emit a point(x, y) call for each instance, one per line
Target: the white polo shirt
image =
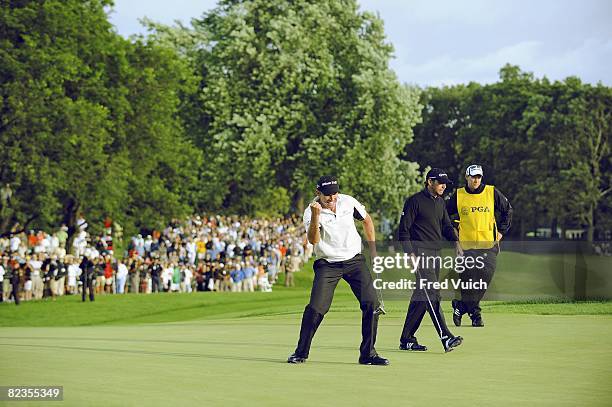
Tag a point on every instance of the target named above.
point(36, 266)
point(339, 237)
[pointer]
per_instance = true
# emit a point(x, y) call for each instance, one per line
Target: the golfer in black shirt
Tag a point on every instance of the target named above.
point(423, 225)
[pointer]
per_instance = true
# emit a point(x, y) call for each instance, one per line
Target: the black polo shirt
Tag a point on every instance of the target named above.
point(425, 219)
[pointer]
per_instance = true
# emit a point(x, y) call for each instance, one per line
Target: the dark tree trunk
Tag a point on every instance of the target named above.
point(591, 226)
point(553, 229)
point(298, 202)
point(580, 273)
point(5, 223)
point(71, 210)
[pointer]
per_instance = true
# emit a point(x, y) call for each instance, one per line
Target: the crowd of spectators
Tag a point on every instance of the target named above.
point(201, 253)
point(603, 248)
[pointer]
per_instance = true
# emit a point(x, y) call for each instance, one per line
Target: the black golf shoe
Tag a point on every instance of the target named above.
point(373, 360)
point(451, 343)
point(294, 358)
point(413, 346)
point(456, 313)
point(477, 321)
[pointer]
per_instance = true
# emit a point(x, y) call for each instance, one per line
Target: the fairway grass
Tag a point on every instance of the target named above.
point(230, 349)
point(555, 360)
point(158, 308)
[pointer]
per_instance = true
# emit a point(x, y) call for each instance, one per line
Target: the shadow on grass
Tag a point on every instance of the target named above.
point(176, 354)
point(166, 341)
point(170, 354)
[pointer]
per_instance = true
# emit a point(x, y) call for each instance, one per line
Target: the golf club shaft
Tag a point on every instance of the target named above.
point(435, 317)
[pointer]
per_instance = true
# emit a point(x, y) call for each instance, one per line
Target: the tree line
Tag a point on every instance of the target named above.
point(244, 109)
point(545, 144)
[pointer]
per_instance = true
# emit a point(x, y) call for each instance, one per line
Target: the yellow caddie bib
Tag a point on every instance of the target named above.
point(477, 229)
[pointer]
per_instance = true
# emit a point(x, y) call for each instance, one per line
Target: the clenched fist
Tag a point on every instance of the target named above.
point(315, 209)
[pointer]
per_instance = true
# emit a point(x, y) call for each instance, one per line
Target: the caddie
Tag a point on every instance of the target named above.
point(479, 235)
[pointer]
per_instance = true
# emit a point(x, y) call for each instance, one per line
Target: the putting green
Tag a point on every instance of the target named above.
point(516, 359)
point(224, 349)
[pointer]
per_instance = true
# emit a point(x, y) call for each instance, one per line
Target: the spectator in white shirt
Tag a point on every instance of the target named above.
point(15, 243)
point(122, 272)
point(2, 272)
point(74, 272)
point(36, 276)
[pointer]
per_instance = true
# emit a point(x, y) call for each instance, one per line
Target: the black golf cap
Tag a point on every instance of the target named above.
point(439, 175)
point(328, 185)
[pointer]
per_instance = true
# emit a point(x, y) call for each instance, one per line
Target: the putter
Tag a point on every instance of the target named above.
point(380, 310)
point(438, 326)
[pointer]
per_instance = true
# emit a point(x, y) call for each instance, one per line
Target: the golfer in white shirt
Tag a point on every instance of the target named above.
point(330, 225)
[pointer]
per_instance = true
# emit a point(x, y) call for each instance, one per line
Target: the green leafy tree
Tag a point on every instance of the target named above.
point(90, 121)
point(582, 121)
point(54, 133)
point(292, 90)
point(438, 140)
point(163, 163)
point(536, 139)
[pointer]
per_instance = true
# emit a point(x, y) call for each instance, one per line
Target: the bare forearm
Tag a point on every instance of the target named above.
point(314, 235)
point(368, 227)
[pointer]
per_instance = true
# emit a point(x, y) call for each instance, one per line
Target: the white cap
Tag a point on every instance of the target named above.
point(473, 170)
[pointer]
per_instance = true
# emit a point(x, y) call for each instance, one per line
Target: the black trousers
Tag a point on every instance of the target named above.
point(425, 298)
point(88, 280)
point(154, 284)
point(15, 290)
point(327, 275)
point(470, 298)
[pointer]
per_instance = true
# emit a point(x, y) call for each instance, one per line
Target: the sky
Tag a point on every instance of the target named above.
point(447, 42)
